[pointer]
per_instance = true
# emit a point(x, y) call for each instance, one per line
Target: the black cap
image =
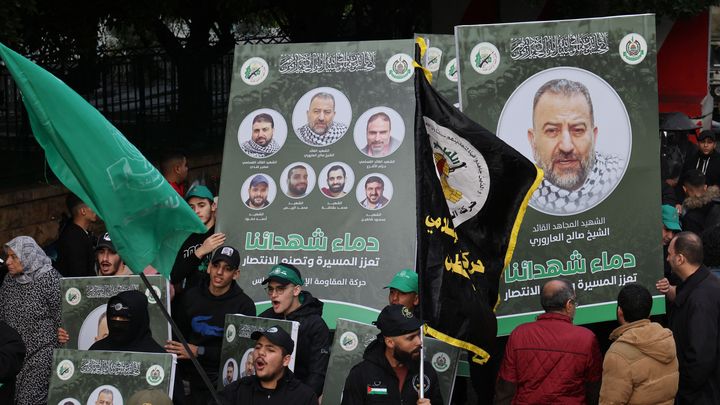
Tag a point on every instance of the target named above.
point(397, 320)
point(105, 242)
point(706, 134)
point(277, 336)
point(228, 254)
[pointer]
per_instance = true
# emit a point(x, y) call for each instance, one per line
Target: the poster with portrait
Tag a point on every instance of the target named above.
point(80, 377)
point(236, 355)
point(579, 98)
point(84, 303)
point(441, 61)
point(317, 159)
point(352, 338)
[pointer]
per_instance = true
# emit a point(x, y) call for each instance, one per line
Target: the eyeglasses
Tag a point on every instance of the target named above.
point(279, 290)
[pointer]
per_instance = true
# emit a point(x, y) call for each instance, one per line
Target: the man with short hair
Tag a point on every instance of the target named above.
point(258, 193)
point(563, 140)
point(335, 182)
point(670, 226)
point(706, 159)
point(105, 397)
point(404, 289)
point(380, 143)
point(200, 315)
point(174, 168)
point(75, 244)
point(552, 339)
point(229, 373)
point(109, 262)
point(261, 143)
point(321, 128)
point(374, 198)
point(289, 301)
point(701, 207)
point(273, 382)
point(297, 181)
point(389, 372)
point(695, 322)
point(641, 365)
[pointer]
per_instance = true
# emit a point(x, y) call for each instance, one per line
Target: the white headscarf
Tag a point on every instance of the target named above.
point(34, 260)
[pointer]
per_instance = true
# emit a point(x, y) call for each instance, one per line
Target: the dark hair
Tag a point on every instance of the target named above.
point(263, 117)
point(74, 203)
point(635, 302)
point(566, 88)
point(694, 178)
point(290, 172)
point(379, 115)
point(555, 300)
point(374, 179)
point(711, 246)
point(336, 167)
point(689, 245)
point(324, 95)
point(169, 159)
point(670, 168)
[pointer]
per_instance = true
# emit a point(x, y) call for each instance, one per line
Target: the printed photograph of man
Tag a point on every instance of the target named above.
point(321, 128)
point(248, 362)
point(563, 139)
point(258, 191)
point(105, 395)
point(230, 373)
point(298, 180)
point(261, 143)
point(374, 195)
point(378, 132)
point(338, 179)
point(102, 328)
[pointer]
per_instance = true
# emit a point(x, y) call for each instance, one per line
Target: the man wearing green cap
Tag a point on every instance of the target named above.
point(404, 289)
point(671, 226)
point(284, 287)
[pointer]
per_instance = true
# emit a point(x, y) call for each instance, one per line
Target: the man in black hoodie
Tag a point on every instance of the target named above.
point(706, 159)
point(284, 288)
point(392, 361)
point(201, 318)
point(273, 382)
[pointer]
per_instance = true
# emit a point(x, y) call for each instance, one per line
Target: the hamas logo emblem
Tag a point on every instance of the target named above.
point(434, 56)
point(155, 375)
point(73, 296)
point(485, 58)
point(65, 370)
point(230, 333)
point(254, 71)
point(451, 70)
point(349, 341)
point(399, 67)
point(440, 362)
point(149, 295)
point(416, 383)
point(633, 48)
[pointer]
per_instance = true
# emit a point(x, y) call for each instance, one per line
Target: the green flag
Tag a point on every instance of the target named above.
point(146, 218)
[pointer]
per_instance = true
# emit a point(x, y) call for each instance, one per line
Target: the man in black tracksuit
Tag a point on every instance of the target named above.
point(201, 318)
point(273, 383)
point(391, 362)
point(290, 302)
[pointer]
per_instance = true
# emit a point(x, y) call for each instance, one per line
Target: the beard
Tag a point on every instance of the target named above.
point(568, 180)
point(405, 357)
point(337, 187)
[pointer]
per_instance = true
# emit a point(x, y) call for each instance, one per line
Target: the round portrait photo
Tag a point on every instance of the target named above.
point(262, 133)
point(258, 191)
point(69, 401)
point(230, 371)
point(297, 180)
point(93, 328)
point(105, 395)
point(374, 191)
point(322, 116)
point(379, 132)
point(248, 363)
point(336, 180)
point(575, 127)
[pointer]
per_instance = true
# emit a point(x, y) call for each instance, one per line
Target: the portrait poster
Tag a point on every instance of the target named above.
point(317, 162)
point(84, 303)
point(440, 60)
point(352, 338)
point(80, 377)
point(236, 355)
point(578, 98)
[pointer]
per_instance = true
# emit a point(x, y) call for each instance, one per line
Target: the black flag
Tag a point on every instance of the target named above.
point(472, 192)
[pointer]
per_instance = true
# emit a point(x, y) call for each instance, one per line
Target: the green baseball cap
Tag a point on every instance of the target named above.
point(200, 192)
point(404, 280)
point(284, 273)
point(670, 218)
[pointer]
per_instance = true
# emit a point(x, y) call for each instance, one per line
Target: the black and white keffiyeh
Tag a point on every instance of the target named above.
point(335, 131)
point(254, 150)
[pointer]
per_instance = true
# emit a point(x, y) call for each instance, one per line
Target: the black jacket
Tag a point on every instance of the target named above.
point(202, 321)
point(185, 273)
point(313, 346)
point(12, 354)
point(76, 252)
point(373, 381)
point(248, 391)
point(709, 165)
point(695, 323)
point(700, 213)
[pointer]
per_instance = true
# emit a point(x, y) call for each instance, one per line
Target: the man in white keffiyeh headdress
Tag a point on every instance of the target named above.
point(261, 143)
point(563, 139)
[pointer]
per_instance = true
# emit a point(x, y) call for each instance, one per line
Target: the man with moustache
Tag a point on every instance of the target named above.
point(374, 198)
point(261, 143)
point(273, 383)
point(297, 181)
point(336, 182)
point(563, 139)
point(258, 193)
point(321, 128)
point(380, 143)
point(109, 262)
point(229, 371)
point(389, 372)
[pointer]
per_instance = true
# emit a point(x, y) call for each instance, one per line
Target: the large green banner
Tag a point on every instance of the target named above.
point(351, 340)
point(85, 302)
point(579, 98)
point(81, 377)
point(318, 166)
point(440, 60)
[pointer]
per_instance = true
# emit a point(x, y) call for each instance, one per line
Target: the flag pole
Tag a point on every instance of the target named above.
point(422, 364)
point(180, 336)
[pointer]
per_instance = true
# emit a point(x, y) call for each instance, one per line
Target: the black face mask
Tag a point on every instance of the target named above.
point(120, 331)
